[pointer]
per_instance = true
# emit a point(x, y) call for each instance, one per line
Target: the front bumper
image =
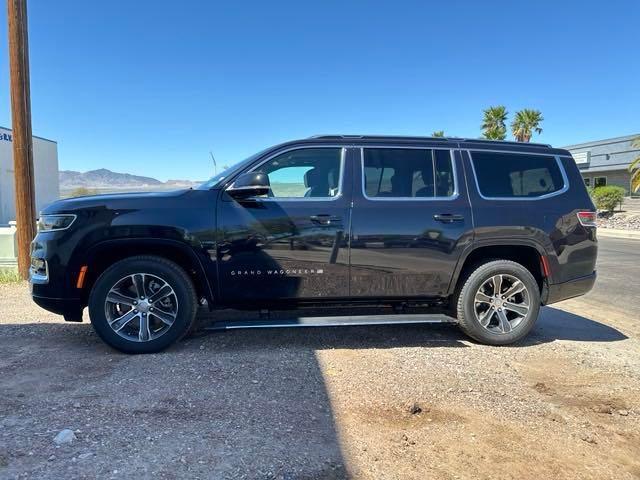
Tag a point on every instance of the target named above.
point(70, 308)
point(573, 288)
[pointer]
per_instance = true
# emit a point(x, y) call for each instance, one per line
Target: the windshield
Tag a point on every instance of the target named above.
point(219, 178)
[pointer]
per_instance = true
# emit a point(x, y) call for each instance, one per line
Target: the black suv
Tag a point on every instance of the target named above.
point(484, 231)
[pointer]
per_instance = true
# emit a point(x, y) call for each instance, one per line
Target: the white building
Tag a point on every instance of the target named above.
point(45, 164)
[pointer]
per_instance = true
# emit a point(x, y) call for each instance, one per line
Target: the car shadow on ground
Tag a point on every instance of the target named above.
point(342, 337)
point(555, 324)
point(250, 405)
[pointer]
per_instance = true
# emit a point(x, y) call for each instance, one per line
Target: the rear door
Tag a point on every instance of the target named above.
point(532, 198)
point(411, 220)
point(293, 243)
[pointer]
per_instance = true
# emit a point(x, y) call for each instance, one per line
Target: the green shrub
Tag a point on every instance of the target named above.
point(608, 198)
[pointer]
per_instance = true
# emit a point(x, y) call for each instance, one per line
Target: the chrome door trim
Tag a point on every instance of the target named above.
point(334, 321)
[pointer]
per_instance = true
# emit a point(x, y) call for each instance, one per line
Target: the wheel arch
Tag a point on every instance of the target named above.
point(528, 253)
point(106, 253)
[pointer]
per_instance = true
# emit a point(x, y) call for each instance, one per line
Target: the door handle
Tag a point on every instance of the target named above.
point(448, 217)
point(324, 219)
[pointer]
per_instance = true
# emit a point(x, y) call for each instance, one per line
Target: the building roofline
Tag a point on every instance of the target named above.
point(604, 168)
point(34, 136)
point(604, 141)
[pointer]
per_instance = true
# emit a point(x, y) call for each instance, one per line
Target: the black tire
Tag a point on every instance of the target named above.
point(466, 313)
point(168, 271)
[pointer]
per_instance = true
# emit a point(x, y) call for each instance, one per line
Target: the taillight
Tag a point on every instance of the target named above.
point(587, 219)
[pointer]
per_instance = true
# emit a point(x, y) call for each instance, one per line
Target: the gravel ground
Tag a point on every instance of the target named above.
point(620, 221)
point(380, 402)
point(626, 219)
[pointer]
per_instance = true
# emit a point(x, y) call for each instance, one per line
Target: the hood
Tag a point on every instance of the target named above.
point(113, 200)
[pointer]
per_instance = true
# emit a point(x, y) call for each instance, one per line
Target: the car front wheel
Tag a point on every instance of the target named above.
point(142, 304)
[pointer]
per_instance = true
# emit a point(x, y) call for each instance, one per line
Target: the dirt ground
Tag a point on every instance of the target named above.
point(381, 402)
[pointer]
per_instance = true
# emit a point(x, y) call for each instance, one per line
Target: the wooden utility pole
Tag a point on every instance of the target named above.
point(21, 131)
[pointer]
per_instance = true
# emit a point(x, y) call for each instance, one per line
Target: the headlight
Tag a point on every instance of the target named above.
point(47, 223)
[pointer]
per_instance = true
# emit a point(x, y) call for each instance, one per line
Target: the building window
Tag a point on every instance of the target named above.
point(599, 182)
point(587, 182)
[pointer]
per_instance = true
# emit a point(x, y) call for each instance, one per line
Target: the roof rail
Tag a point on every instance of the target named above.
point(381, 137)
point(504, 142)
point(446, 139)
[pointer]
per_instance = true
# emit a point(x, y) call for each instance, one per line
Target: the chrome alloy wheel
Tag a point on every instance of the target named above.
point(501, 303)
point(141, 307)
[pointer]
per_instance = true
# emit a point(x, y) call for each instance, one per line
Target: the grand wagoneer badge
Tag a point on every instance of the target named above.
point(288, 271)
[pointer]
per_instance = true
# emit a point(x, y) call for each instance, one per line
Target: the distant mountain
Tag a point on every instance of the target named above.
point(106, 179)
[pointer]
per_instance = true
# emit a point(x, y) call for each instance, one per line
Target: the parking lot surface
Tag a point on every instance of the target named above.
point(380, 402)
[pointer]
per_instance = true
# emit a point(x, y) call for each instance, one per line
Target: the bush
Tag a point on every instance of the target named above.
point(608, 198)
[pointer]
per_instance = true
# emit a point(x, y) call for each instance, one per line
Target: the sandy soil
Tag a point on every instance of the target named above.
point(380, 402)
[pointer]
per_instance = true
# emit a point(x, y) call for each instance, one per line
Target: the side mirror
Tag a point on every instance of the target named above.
point(251, 184)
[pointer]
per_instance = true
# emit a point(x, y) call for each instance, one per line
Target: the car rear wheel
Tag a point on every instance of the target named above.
point(142, 304)
point(498, 303)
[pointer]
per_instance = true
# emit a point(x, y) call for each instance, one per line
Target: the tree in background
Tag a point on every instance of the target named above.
point(634, 168)
point(438, 133)
point(525, 123)
point(493, 124)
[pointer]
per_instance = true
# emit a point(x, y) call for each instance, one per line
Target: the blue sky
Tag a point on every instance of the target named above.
point(149, 87)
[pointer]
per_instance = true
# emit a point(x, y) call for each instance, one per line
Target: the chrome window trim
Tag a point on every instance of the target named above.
point(565, 179)
point(453, 196)
point(343, 154)
point(517, 152)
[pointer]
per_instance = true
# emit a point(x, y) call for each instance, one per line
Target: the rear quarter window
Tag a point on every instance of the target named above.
point(512, 175)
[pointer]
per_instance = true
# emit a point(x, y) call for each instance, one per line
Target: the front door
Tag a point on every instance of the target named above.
point(411, 221)
point(291, 244)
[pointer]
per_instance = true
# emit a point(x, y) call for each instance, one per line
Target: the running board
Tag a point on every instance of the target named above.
point(333, 321)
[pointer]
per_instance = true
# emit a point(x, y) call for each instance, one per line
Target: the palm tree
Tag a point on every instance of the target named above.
point(493, 125)
point(438, 133)
point(525, 123)
point(634, 168)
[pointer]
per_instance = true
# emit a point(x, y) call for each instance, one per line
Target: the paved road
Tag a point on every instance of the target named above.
point(618, 281)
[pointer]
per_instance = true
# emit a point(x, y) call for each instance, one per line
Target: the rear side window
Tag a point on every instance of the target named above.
point(511, 175)
point(407, 173)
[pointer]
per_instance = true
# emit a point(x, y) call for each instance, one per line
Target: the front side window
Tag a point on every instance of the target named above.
point(407, 173)
point(512, 175)
point(304, 173)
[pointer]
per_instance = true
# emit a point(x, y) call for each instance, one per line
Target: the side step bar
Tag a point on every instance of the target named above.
point(333, 321)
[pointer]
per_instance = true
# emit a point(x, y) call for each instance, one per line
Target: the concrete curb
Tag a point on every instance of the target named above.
point(615, 233)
